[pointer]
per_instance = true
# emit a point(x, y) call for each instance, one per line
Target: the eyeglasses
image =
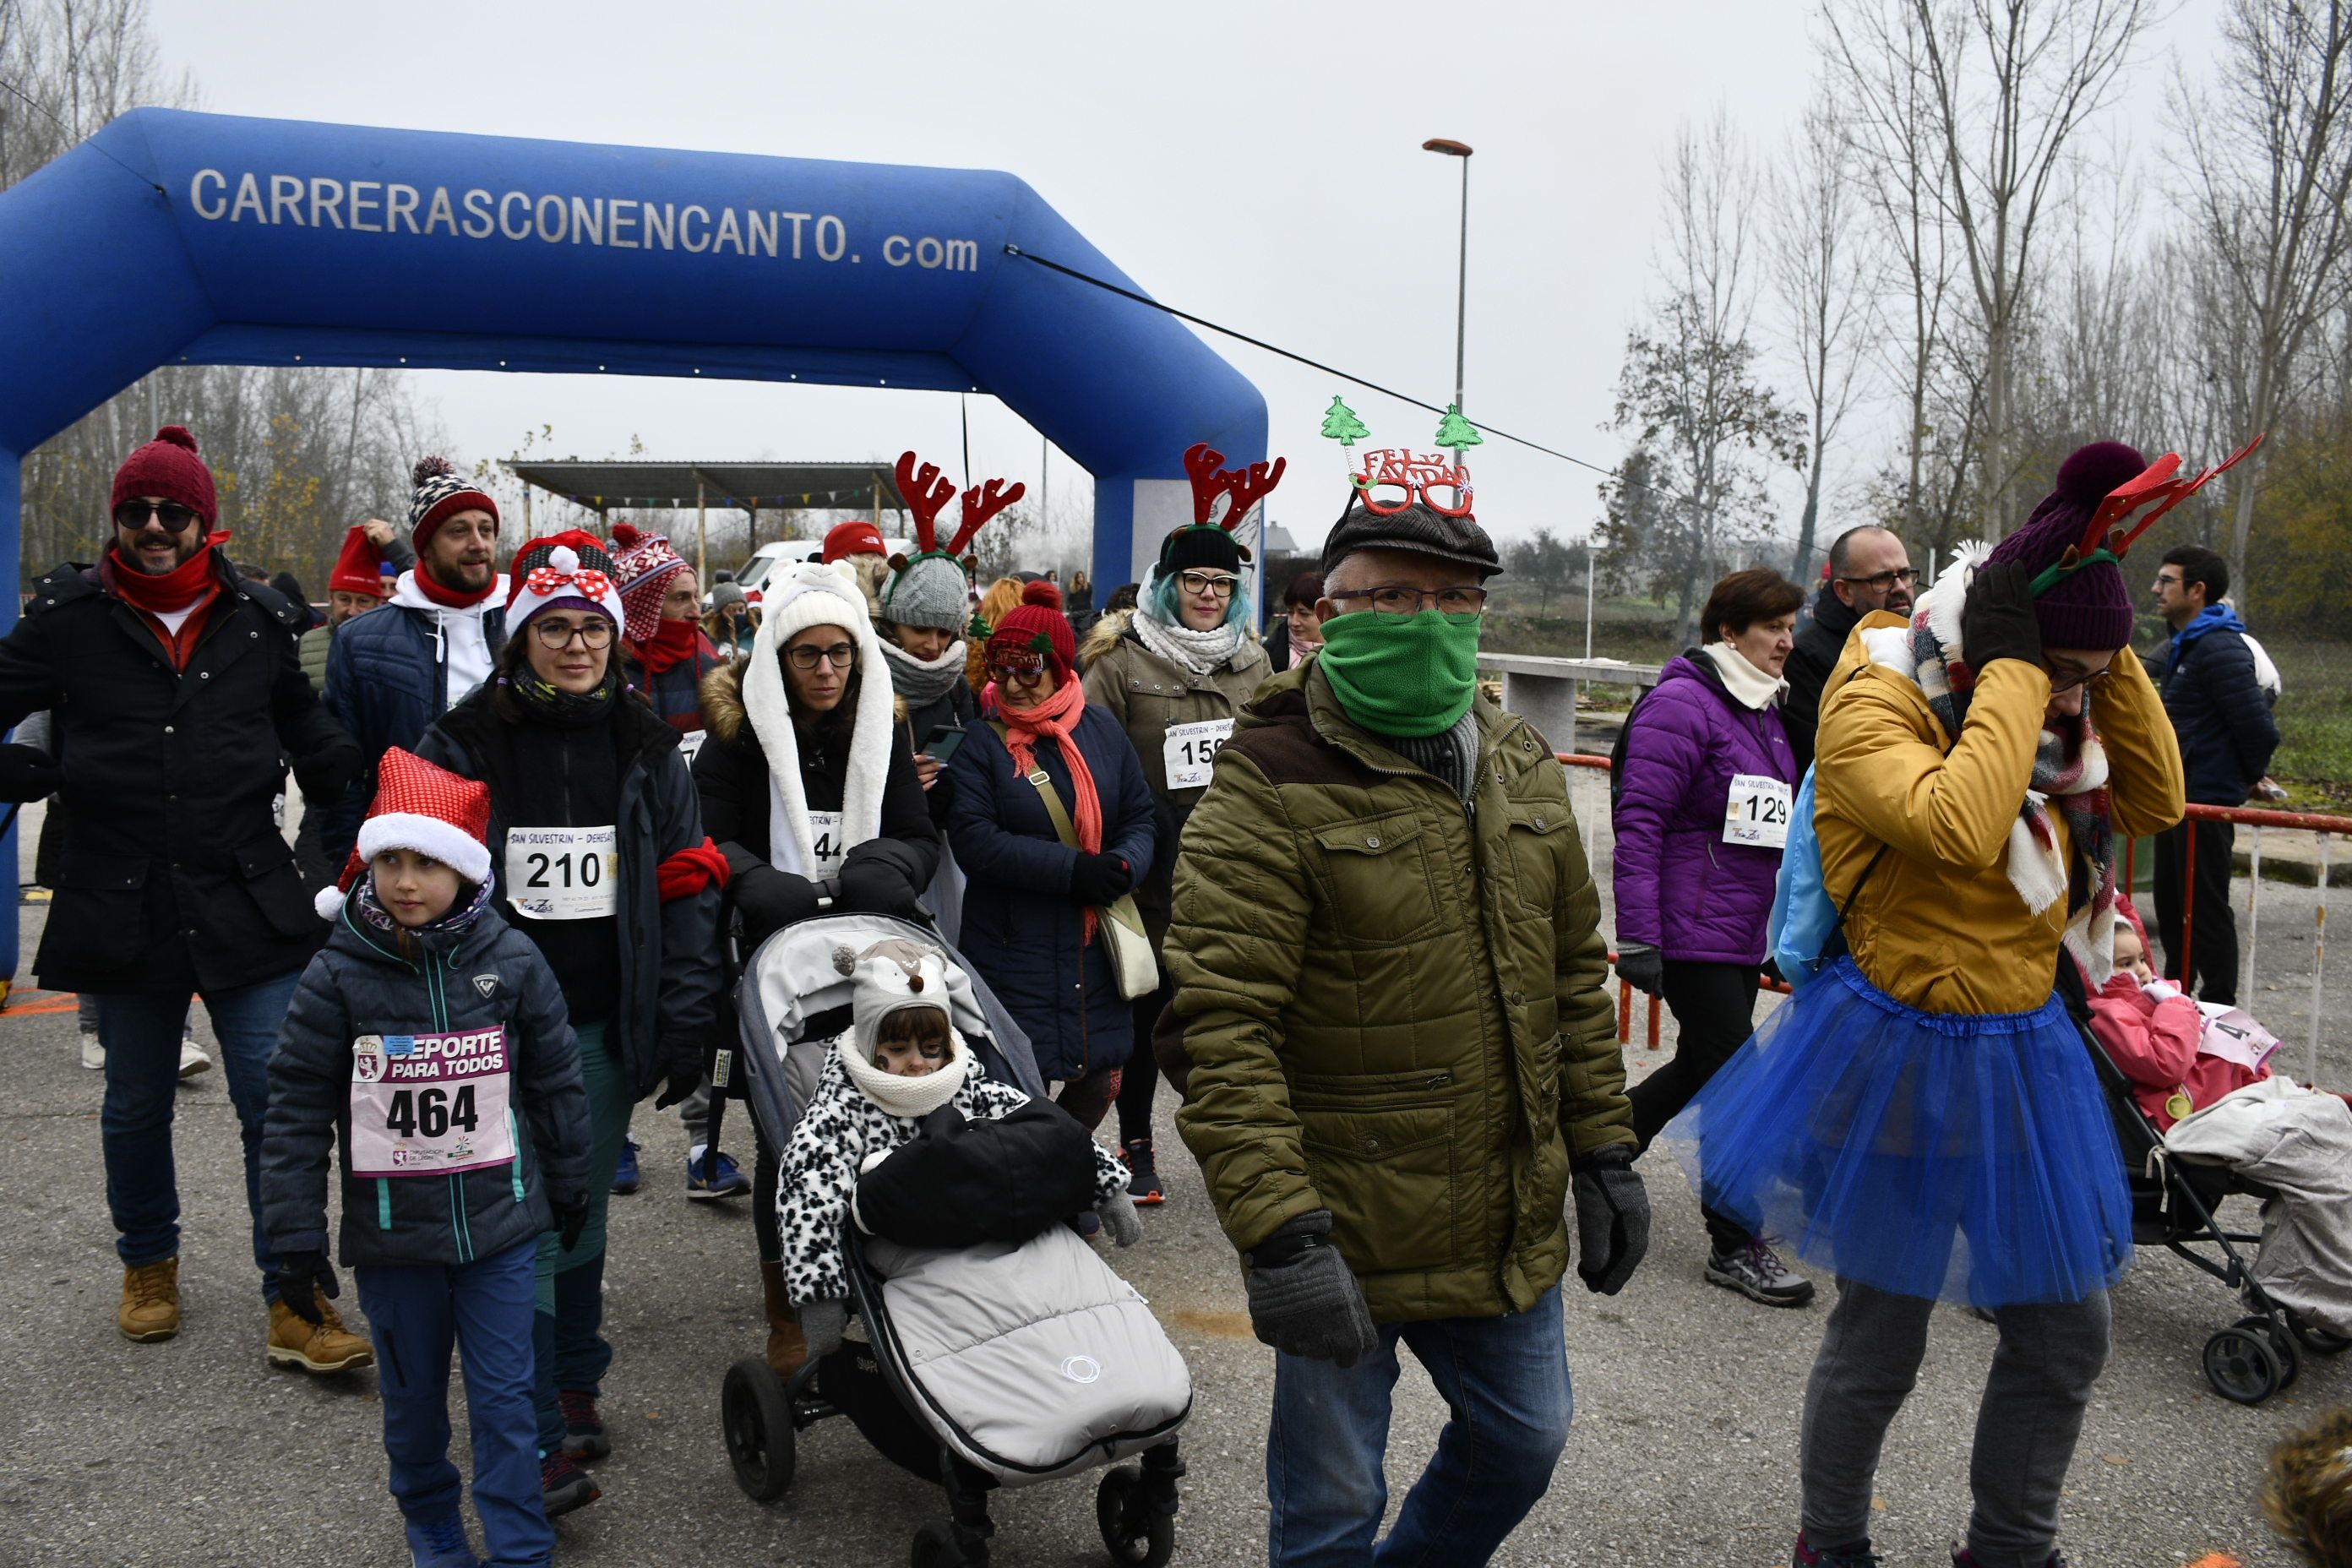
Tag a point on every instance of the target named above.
point(1016, 668)
point(840, 655)
point(2060, 685)
point(1886, 582)
point(1218, 584)
point(133, 515)
point(1396, 600)
point(555, 635)
point(2164, 580)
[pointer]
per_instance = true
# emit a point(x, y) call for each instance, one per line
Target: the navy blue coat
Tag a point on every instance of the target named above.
point(2219, 712)
point(1021, 932)
point(387, 682)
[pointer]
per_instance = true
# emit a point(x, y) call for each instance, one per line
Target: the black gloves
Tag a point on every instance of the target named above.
point(1303, 1301)
point(1612, 1218)
point(325, 775)
point(873, 884)
point(769, 898)
point(1098, 879)
point(683, 1068)
point(303, 1279)
point(821, 1323)
point(1641, 966)
point(1997, 618)
point(571, 1219)
point(27, 773)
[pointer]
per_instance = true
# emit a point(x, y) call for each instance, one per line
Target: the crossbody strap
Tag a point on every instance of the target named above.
point(1047, 793)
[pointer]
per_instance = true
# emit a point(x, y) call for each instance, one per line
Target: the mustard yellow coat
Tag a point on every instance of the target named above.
point(1938, 925)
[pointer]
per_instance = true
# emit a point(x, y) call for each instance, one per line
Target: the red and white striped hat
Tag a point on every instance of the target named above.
point(421, 808)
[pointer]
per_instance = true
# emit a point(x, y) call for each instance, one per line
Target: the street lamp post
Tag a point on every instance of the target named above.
point(1451, 149)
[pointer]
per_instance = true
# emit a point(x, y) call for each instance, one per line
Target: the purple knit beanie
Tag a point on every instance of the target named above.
point(2089, 607)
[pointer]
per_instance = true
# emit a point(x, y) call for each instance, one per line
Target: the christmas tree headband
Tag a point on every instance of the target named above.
point(1246, 486)
point(928, 493)
point(1393, 479)
point(2129, 510)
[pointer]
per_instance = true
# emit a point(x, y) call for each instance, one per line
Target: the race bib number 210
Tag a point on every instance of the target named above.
point(563, 873)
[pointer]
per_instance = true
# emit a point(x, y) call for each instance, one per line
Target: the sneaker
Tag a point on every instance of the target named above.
point(1961, 1559)
point(1142, 1175)
point(726, 1182)
point(583, 1429)
point(151, 1301)
point(326, 1346)
point(564, 1486)
point(1858, 1555)
point(1758, 1274)
point(441, 1543)
point(193, 1060)
point(93, 1054)
point(624, 1174)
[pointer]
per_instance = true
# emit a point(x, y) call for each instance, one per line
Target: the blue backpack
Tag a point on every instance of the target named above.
point(1806, 930)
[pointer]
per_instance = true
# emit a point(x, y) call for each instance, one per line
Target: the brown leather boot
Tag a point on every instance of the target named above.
point(787, 1352)
point(329, 1347)
point(151, 1301)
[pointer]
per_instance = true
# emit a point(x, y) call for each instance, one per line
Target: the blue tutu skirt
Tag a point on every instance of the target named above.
point(1971, 1158)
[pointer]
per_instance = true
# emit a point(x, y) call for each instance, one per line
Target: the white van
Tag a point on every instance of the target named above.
point(769, 558)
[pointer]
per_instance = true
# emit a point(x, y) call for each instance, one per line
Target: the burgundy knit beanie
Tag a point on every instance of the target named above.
point(1037, 614)
point(169, 466)
point(2089, 607)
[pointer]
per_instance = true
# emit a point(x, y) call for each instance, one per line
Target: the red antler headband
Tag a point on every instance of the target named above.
point(2131, 508)
point(927, 493)
point(1246, 487)
point(979, 504)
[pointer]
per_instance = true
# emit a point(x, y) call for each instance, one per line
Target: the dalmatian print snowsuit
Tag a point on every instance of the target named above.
point(830, 1146)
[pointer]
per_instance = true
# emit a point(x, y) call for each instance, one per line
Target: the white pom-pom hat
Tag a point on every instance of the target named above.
point(424, 808)
point(568, 568)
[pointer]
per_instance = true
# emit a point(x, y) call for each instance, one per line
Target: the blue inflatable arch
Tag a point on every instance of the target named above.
point(178, 238)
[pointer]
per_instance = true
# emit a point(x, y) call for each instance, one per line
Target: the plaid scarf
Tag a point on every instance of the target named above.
point(2070, 765)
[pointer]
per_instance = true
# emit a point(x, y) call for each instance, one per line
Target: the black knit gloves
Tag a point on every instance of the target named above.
point(870, 884)
point(683, 1064)
point(1997, 619)
point(325, 775)
point(1612, 1218)
point(1302, 1299)
point(571, 1219)
point(1641, 966)
point(303, 1279)
point(768, 899)
point(1097, 880)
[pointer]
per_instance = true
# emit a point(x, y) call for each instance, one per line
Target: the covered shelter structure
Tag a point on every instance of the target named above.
point(747, 488)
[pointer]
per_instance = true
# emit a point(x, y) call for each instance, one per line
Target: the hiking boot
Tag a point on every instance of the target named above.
point(1858, 1555)
point(726, 1181)
point(441, 1543)
point(564, 1486)
point(583, 1429)
point(326, 1347)
point(193, 1060)
point(787, 1348)
point(1142, 1175)
point(625, 1173)
point(1752, 1269)
point(151, 1301)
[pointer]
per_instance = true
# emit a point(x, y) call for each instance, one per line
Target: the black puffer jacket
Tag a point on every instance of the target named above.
point(176, 876)
point(1819, 642)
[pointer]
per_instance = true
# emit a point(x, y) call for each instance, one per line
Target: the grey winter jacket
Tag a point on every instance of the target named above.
point(490, 976)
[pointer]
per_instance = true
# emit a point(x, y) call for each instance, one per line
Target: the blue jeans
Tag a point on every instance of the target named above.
point(1504, 1381)
point(569, 1330)
point(142, 1036)
point(415, 1314)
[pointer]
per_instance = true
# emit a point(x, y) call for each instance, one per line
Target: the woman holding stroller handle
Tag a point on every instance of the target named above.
point(1029, 921)
point(599, 859)
point(808, 795)
point(1174, 673)
point(1922, 1116)
point(1703, 789)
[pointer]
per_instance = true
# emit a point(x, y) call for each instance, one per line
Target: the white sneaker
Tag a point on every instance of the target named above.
point(93, 1055)
point(193, 1060)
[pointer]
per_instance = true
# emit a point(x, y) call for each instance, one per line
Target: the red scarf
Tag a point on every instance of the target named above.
point(673, 643)
point(1057, 716)
point(451, 598)
point(192, 585)
point(687, 872)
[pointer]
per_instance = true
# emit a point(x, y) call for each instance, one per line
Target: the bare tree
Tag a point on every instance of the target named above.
point(2272, 155)
point(1816, 251)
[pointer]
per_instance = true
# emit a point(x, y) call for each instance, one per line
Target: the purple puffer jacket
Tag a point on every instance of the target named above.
point(1679, 886)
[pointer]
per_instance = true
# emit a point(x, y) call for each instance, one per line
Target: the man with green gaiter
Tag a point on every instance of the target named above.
point(1390, 987)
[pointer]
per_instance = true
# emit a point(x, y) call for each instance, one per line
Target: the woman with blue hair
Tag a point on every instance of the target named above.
point(1174, 673)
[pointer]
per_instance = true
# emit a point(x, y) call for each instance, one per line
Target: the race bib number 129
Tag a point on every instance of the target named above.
point(1757, 813)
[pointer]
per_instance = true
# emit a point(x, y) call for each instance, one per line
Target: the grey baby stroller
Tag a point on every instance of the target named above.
point(984, 1366)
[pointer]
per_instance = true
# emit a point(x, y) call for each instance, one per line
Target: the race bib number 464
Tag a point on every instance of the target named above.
point(423, 1105)
point(563, 873)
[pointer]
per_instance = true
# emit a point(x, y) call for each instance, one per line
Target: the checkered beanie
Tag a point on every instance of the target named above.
point(441, 494)
point(642, 565)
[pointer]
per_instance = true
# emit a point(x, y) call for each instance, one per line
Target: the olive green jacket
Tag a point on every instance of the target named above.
point(313, 649)
point(1148, 695)
point(1393, 1010)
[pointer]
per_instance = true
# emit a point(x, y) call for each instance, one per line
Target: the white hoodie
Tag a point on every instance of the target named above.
point(464, 644)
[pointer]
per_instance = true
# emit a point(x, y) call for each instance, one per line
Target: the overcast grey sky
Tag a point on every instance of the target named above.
point(1258, 164)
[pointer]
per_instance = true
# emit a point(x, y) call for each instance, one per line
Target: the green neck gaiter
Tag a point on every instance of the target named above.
point(1411, 676)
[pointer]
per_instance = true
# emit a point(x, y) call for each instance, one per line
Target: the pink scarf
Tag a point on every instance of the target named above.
point(1056, 717)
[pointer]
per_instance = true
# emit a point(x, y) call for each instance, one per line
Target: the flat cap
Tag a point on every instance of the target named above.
point(1415, 528)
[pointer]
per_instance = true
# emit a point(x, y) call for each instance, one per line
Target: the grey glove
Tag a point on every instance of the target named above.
point(1641, 966)
point(821, 1323)
point(1302, 1299)
point(1612, 1218)
point(1118, 1214)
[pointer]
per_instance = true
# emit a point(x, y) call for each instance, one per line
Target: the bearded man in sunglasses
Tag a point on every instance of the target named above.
point(1870, 570)
point(178, 701)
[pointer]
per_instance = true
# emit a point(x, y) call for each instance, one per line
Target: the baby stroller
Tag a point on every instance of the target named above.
point(2262, 1352)
point(986, 1366)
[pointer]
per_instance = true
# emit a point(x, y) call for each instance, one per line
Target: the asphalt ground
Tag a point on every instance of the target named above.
point(1683, 1450)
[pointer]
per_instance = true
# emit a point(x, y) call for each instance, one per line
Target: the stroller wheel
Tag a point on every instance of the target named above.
point(2242, 1366)
point(756, 1416)
point(2282, 1345)
point(1133, 1532)
point(2315, 1339)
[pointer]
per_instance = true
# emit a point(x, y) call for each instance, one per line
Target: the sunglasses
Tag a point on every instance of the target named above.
point(131, 515)
point(1016, 668)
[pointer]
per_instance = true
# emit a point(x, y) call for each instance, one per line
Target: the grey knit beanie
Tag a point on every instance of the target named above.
point(929, 592)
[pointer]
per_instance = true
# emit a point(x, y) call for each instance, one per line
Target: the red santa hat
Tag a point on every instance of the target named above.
point(419, 807)
point(568, 568)
point(360, 568)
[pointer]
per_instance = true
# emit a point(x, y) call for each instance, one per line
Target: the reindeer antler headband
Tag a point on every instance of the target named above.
point(928, 493)
point(2130, 509)
point(1246, 486)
